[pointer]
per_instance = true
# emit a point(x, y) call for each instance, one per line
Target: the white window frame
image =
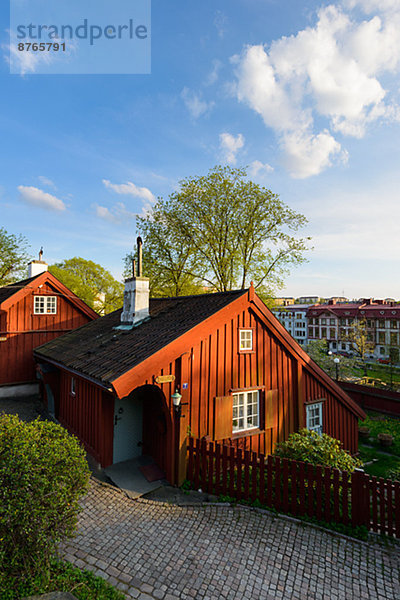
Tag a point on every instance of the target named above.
point(245, 343)
point(73, 386)
point(45, 305)
point(251, 398)
point(314, 417)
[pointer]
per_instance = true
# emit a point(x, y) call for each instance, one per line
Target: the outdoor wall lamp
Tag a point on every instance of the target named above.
point(176, 400)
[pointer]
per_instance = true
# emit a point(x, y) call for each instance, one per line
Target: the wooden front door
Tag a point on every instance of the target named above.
point(156, 427)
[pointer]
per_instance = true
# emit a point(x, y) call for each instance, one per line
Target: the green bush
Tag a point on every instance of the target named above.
point(43, 473)
point(323, 450)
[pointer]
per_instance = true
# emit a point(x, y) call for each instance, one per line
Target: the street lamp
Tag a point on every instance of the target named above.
point(337, 361)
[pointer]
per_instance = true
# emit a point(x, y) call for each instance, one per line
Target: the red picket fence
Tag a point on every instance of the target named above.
point(296, 487)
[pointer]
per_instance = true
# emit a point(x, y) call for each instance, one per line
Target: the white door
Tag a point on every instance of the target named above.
point(127, 429)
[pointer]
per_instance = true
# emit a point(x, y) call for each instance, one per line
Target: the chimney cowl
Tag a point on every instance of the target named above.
point(37, 267)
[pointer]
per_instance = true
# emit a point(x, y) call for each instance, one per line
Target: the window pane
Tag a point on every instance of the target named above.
point(39, 304)
point(245, 410)
point(314, 417)
point(246, 339)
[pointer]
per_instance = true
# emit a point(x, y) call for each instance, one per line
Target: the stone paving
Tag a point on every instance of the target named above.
point(154, 550)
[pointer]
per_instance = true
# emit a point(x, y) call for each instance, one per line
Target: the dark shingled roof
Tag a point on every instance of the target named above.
point(104, 353)
point(11, 289)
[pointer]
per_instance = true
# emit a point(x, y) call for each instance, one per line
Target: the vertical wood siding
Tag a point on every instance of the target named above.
point(338, 421)
point(216, 368)
point(89, 414)
point(25, 331)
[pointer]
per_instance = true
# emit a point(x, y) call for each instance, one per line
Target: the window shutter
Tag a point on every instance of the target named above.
point(271, 409)
point(223, 415)
point(261, 405)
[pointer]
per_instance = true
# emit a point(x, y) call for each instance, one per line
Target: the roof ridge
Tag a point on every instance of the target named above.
point(208, 294)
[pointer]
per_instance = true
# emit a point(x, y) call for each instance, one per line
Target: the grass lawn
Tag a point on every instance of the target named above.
point(381, 372)
point(378, 423)
point(84, 585)
point(387, 459)
point(382, 465)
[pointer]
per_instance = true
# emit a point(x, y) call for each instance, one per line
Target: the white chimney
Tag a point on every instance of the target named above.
point(136, 295)
point(36, 267)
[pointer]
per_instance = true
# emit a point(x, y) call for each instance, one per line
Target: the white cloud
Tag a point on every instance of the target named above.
point(24, 62)
point(118, 213)
point(220, 23)
point(130, 189)
point(259, 168)
point(195, 104)
point(333, 72)
point(214, 73)
point(104, 213)
point(368, 6)
point(37, 197)
point(308, 154)
point(230, 146)
point(46, 181)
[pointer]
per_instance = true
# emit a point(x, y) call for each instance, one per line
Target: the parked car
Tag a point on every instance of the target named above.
point(344, 353)
point(384, 361)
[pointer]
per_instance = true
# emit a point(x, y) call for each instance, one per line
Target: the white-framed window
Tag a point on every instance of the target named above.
point(245, 339)
point(73, 386)
point(45, 305)
point(246, 410)
point(314, 417)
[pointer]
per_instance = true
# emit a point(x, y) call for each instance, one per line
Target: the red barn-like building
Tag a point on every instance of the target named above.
point(242, 378)
point(32, 312)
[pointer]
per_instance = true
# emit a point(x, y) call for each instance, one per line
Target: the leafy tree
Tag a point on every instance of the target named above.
point(316, 449)
point(167, 259)
point(393, 355)
point(220, 231)
point(43, 473)
point(13, 257)
point(361, 340)
point(318, 351)
point(91, 282)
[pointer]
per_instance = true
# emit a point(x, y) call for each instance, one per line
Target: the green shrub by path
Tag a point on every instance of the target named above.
point(63, 577)
point(378, 423)
point(43, 473)
point(316, 449)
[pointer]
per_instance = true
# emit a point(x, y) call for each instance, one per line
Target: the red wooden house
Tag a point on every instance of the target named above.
point(32, 312)
point(241, 376)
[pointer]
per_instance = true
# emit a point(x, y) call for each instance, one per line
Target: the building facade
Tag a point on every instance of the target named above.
point(241, 377)
point(333, 322)
point(32, 312)
point(294, 320)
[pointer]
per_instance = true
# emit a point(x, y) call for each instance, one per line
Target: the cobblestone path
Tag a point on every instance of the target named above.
point(153, 550)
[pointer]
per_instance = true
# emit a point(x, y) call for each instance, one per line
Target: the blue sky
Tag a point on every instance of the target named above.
point(303, 93)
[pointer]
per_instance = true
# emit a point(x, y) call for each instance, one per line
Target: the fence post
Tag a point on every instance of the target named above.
point(359, 500)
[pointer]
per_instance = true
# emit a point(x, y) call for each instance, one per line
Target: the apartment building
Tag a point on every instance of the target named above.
point(308, 300)
point(284, 301)
point(333, 322)
point(294, 320)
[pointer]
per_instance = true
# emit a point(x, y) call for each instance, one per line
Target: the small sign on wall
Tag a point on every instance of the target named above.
point(185, 386)
point(165, 378)
point(3, 339)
